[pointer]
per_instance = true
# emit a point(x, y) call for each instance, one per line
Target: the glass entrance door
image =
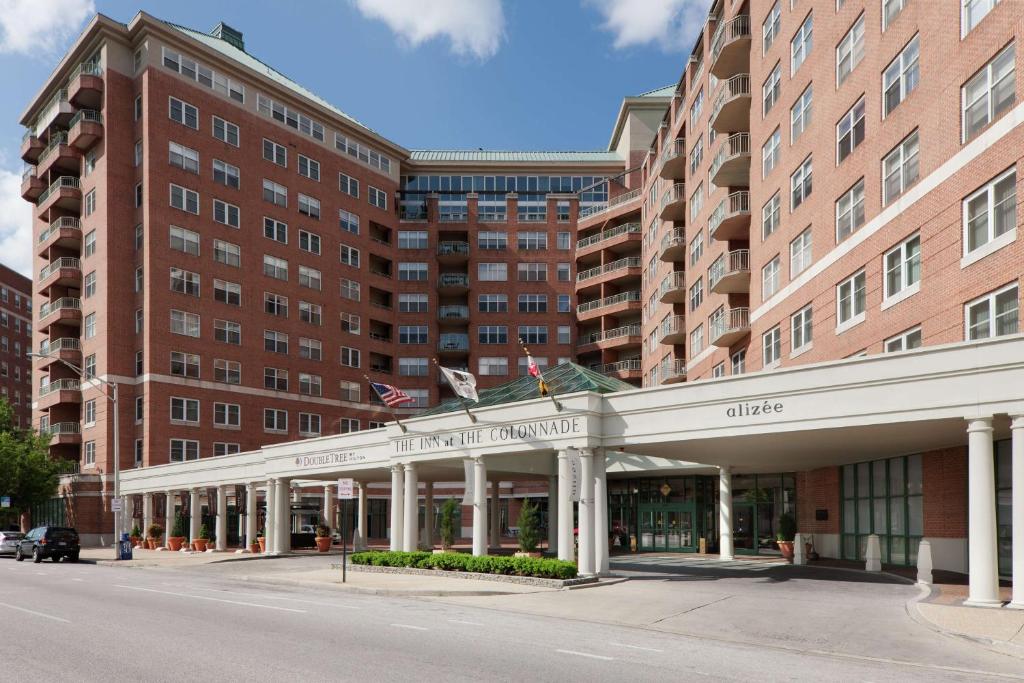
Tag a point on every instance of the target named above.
point(744, 533)
point(667, 528)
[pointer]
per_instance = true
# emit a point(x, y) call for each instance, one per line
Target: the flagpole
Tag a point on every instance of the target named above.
point(465, 406)
point(540, 376)
point(394, 411)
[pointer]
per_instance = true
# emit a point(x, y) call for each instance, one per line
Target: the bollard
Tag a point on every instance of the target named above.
point(924, 562)
point(873, 555)
point(798, 550)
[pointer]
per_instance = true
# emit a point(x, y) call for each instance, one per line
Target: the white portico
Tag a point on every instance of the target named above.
point(959, 396)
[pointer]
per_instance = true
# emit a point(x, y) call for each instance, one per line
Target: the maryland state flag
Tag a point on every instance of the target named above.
point(534, 371)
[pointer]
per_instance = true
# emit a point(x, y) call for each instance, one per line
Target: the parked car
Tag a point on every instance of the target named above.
point(54, 542)
point(9, 541)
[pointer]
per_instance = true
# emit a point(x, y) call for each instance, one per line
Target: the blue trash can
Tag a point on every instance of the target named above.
point(125, 548)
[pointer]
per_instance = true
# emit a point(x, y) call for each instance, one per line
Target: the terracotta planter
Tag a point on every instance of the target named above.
point(254, 548)
point(175, 542)
point(201, 544)
point(262, 543)
point(135, 541)
point(786, 547)
point(323, 543)
point(152, 543)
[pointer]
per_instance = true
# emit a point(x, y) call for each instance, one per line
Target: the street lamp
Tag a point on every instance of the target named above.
point(112, 396)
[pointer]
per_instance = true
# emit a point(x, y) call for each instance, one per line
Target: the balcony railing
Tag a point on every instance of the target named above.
point(628, 262)
point(736, 203)
point(63, 262)
point(673, 368)
point(62, 223)
point(609, 234)
point(453, 280)
point(735, 86)
point(613, 300)
point(453, 342)
point(85, 69)
point(734, 29)
point(65, 181)
point(676, 193)
point(58, 428)
point(734, 146)
point(673, 325)
point(452, 312)
point(676, 280)
point(733, 320)
point(48, 347)
point(52, 145)
point(86, 115)
point(676, 237)
point(60, 385)
point(630, 365)
point(453, 248)
point(610, 204)
point(65, 302)
point(614, 333)
point(732, 262)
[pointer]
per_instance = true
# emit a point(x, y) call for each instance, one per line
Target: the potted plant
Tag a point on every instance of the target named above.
point(177, 537)
point(135, 536)
point(203, 541)
point(787, 532)
point(447, 530)
point(154, 532)
point(529, 530)
point(261, 542)
point(323, 538)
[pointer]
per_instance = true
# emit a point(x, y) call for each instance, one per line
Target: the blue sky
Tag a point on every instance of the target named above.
point(498, 74)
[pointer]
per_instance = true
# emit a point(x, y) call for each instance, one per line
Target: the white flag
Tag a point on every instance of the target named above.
point(467, 497)
point(464, 383)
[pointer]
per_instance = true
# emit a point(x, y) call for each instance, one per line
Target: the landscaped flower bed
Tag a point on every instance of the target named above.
point(511, 566)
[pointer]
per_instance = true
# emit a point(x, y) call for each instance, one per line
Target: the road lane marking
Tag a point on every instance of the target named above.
point(637, 647)
point(280, 597)
point(585, 654)
point(467, 623)
point(78, 579)
point(38, 614)
point(415, 628)
point(205, 597)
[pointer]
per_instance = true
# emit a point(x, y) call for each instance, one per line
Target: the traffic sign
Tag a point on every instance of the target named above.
point(115, 504)
point(345, 488)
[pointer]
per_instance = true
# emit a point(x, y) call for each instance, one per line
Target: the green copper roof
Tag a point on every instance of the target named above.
point(483, 155)
point(566, 378)
point(667, 91)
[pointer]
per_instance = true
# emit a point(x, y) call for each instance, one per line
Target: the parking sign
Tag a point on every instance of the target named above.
point(345, 487)
point(115, 504)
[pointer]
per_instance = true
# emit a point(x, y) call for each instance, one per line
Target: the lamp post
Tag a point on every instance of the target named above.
point(112, 396)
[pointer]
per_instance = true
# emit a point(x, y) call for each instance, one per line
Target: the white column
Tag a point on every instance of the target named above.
point(269, 518)
point(428, 516)
point(553, 514)
point(410, 535)
point(221, 532)
point(566, 543)
point(250, 514)
point(195, 511)
point(1017, 509)
point(328, 509)
point(147, 516)
point(479, 507)
point(397, 500)
point(981, 516)
point(360, 536)
point(585, 560)
point(600, 514)
point(283, 522)
point(168, 515)
point(495, 518)
point(725, 550)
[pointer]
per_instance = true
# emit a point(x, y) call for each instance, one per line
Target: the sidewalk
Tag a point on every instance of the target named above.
point(1000, 629)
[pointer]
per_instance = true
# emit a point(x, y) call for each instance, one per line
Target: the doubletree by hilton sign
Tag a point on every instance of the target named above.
point(507, 433)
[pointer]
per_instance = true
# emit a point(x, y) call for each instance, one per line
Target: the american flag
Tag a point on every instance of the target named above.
point(392, 396)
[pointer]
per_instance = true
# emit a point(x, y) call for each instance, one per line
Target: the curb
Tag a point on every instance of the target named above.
point(502, 578)
point(998, 646)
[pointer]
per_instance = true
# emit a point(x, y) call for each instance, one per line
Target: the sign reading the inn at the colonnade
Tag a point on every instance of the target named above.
point(498, 434)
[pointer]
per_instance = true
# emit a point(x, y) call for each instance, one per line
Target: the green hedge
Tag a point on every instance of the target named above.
point(513, 566)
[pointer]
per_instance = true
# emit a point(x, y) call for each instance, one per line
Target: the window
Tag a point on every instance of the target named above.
point(492, 272)
point(850, 300)
point(138, 195)
point(88, 290)
point(227, 214)
point(900, 77)
point(885, 498)
point(226, 174)
point(972, 12)
point(697, 340)
point(140, 281)
point(184, 323)
point(89, 412)
point(412, 334)
point(850, 211)
point(800, 46)
point(890, 10)
point(275, 378)
point(541, 361)
point(991, 92)
point(349, 256)
point(309, 206)
point(900, 169)
point(311, 313)
point(564, 272)
point(348, 185)
point(349, 390)
point(227, 253)
point(531, 241)
point(347, 221)
point(349, 357)
point(309, 168)
point(532, 272)
point(850, 131)
point(309, 424)
point(275, 267)
point(309, 241)
point(184, 409)
point(227, 415)
point(770, 90)
point(225, 131)
point(564, 334)
point(350, 289)
point(275, 342)
point(184, 199)
point(184, 113)
point(275, 153)
point(696, 294)
point(412, 272)
point(770, 216)
point(770, 153)
point(850, 51)
point(493, 366)
point(275, 420)
point(137, 113)
point(493, 303)
point(274, 193)
point(178, 155)
point(139, 408)
point(378, 198)
point(771, 347)
point(739, 362)
point(800, 253)
point(227, 332)
point(275, 304)
point(533, 303)
point(493, 334)
point(275, 230)
point(310, 277)
point(770, 27)
point(309, 385)
point(771, 277)
point(696, 108)
point(222, 448)
point(227, 292)
point(413, 367)
point(904, 341)
point(413, 239)
point(800, 184)
point(184, 449)
point(993, 315)
point(563, 240)
point(184, 240)
point(227, 371)
point(990, 212)
point(413, 303)
point(801, 326)
point(564, 305)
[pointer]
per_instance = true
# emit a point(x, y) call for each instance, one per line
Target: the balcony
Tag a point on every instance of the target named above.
point(731, 218)
point(673, 288)
point(453, 282)
point(67, 349)
point(673, 160)
point(86, 128)
point(731, 165)
point(452, 313)
point(673, 203)
point(634, 262)
point(729, 327)
point(623, 369)
point(731, 112)
point(609, 304)
point(604, 207)
point(31, 147)
point(64, 311)
point(730, 47)
point(31, 184)
point(57, 112)
point(64, 433)
point(605, 237)
point(618, 337)
point(58, 155)
point(85, 86)
point(59, 391)
point(65, 271)
point(65, 193)
point(673, 246)
point(66, 231)
point(452, 252)
point(673, 371)
point(673, 330)
point(730, 273)
point(453, 344)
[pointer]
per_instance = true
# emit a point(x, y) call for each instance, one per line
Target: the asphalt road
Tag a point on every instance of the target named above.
point(86, 622)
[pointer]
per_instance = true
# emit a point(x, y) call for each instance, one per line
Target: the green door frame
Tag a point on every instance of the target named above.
point(663, 530)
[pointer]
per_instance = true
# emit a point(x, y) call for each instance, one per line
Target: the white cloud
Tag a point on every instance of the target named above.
point(15, 224)
point(41, 27)
point(474, 27)
point(671, 24)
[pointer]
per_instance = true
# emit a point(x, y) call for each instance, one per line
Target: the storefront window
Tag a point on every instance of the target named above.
point(1003, 518)
point(883, 497)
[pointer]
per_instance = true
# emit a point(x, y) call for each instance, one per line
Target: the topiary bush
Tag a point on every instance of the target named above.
point(448, 515)
point(787, 527)
point(529, 527)
point(511, 566)
point(179, 526)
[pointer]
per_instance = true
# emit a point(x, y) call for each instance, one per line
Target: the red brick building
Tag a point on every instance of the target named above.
point(16, 343)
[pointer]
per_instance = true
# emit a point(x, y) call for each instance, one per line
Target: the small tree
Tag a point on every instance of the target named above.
point(204, 532)
point(27, 472)
point(787, 527)
point(448, 512)
point(529, 527)
point(178, 530)
point(323, 531)
point(136, 531)
point(155, 531)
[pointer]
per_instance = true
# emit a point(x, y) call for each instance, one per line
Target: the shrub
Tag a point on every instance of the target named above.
point(136, 531)
point(448, 514)
point(322, 530)
point(155, 531)
point(787, 527)
point(204, 532)
point(513, 566)
point(179, 526)
point(529, 527)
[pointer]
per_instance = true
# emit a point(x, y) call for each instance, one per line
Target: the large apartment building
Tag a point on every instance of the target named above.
point(15, 343)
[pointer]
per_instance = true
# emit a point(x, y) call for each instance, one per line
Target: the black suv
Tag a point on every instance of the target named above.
point(53, 542)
